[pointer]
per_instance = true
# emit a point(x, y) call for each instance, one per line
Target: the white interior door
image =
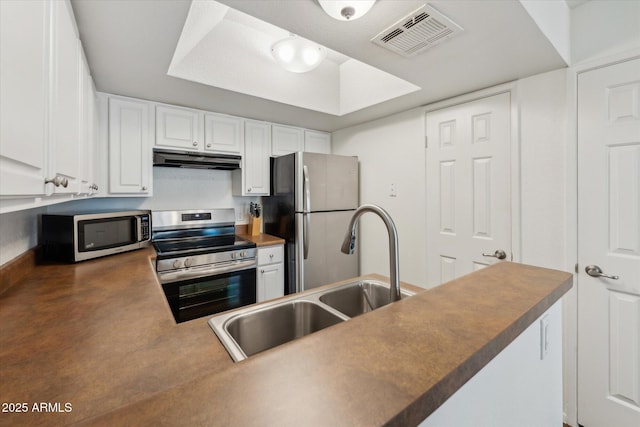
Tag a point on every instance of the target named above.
point(468, 185)
point(609, 238)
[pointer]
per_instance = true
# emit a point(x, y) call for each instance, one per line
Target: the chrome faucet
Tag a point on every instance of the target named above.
point(349, 244)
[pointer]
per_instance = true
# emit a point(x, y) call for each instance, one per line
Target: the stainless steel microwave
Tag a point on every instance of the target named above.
point(74, 237)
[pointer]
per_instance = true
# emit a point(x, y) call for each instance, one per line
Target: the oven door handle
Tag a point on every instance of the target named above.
point(196, 272)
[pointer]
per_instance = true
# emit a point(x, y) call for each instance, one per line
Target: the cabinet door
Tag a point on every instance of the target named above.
point(255, 162)
point(317, 142)
point(178, 128)
point(223, 134)
point(64, 155)
point(130, 153)
point(270, 282)
point(286, 140)
point(87, 135)
point(24, 77)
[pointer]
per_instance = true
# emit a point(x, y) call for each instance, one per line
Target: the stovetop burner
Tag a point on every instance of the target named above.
point(195, 233)
point(184, 247)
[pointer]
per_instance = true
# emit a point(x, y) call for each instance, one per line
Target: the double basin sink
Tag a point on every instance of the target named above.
point(248, 331)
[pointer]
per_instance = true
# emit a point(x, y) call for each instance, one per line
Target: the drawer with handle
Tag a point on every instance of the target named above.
point(270, 254)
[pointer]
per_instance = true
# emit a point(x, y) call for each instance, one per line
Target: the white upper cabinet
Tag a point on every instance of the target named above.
point(130, 150)
point(194, 130)
point(286, 140)
point(65, 114)
point(253, 178)
point(88, 137)
point(24, 85)
point(223, 134)
point(179, 128)
point(317, 142)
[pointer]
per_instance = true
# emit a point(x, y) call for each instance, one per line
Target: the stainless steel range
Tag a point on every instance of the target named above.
point(204, 268)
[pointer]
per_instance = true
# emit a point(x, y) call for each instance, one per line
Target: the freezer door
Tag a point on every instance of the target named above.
point(324, 263)
point(326, 182)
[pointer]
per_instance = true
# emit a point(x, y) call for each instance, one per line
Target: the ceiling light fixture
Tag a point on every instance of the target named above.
point(298, 55)
point(346, 10)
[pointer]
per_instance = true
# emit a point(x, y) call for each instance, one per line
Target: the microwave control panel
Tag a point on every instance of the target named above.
point(145, 227)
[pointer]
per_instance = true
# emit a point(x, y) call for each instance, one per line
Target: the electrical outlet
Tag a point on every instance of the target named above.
point(544, 337)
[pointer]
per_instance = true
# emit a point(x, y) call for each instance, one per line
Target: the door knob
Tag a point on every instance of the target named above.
point(500, 254)
point(595, 271)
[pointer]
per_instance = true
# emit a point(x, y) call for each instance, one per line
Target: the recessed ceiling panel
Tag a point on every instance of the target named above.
point(222, 47)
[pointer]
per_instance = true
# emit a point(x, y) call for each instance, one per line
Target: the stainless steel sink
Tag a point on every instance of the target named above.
point(352, 301)
point(251, 330)
point(264, 329)
point(259, 328)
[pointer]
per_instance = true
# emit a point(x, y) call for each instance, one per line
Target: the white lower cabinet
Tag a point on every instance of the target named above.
point(270, 277)
point(130, 152)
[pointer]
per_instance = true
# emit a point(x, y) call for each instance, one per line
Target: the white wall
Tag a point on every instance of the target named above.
point(390, 151)
point(543, 144)
point(18, 233)
point(554, 20)
point(603, 28)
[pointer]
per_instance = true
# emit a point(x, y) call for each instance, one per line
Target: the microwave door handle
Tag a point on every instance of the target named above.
point(138, 228)
point(306, 213)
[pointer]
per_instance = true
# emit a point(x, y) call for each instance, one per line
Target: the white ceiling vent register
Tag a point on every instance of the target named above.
point(418, 31)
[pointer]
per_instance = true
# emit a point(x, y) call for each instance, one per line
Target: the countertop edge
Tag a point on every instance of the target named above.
point(424, 406)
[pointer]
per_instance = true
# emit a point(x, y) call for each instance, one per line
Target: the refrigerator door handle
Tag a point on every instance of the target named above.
point(306, 208)
point(307, 193)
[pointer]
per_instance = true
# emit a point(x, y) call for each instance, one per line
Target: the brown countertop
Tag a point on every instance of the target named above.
point(263, 239)
point(100, 336)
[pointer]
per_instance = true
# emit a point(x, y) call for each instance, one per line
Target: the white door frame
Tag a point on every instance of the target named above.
point(511, 88)
point(570, 305)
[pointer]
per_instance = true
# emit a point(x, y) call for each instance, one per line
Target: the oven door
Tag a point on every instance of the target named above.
point(202, 296)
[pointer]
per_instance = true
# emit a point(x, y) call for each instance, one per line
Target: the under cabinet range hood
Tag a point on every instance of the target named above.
point(193, 160)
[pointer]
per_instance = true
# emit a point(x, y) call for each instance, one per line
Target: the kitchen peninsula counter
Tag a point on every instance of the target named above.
point(97, 344)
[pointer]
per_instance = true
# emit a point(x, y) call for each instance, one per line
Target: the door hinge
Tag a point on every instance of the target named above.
point(576, 268)
point(426, 142)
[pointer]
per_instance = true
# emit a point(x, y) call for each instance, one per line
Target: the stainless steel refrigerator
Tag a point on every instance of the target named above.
point(312, 199)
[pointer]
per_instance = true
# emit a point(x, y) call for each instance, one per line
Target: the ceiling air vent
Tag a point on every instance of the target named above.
point(420, 30)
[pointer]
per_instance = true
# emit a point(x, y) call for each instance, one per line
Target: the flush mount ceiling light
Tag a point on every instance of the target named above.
point(346, 10)
point(298, 55)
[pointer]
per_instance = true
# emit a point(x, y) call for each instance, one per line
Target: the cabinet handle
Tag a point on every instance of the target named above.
point(93, 187)
point(209, 145)
point(271, 256)
point(144, 188)
point(58, 181)
point(249, 190)
point(262, 271)
point(195, 143)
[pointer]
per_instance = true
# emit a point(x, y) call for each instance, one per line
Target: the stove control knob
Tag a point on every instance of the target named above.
point(243, 253)
point(234, 255)
point(188, 262)
point(177, 264)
